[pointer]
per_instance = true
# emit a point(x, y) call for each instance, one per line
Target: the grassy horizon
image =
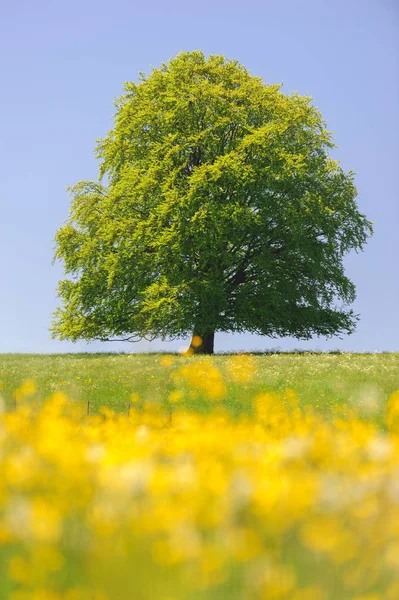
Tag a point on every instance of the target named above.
point(329, 382)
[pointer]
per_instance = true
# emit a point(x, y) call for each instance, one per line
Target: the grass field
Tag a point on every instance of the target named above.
point(183, 478)
point(325, 381)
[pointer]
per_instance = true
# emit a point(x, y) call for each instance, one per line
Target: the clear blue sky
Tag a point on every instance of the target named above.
point(62, 63)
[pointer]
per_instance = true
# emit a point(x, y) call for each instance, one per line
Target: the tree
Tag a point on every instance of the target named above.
point(220, 210)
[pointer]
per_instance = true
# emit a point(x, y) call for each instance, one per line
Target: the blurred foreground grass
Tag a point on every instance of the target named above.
point(232, 477)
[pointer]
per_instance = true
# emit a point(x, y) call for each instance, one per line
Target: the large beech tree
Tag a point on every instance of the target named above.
point(219, 210)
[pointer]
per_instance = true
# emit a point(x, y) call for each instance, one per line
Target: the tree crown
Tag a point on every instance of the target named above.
point(220, 210)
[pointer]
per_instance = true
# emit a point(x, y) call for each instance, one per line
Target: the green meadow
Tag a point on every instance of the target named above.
point(231, 477)
point(328, 382)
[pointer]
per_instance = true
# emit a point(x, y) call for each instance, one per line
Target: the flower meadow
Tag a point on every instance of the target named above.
point(210, 478)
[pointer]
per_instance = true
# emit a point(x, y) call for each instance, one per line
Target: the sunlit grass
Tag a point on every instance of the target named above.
point(232, 478)
point(326, 381)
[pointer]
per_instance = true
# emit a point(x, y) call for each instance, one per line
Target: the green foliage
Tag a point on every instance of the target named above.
point(220, 210)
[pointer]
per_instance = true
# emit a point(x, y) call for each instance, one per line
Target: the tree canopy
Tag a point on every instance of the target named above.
point(218, 208)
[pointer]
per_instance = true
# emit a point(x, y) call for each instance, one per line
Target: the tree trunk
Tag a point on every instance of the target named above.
point(202, 344)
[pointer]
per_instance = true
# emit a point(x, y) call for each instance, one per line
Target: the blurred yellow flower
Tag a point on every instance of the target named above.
point(218, 499)
point(175, 396)
point(167, 361)
point(204, 376)
point(196, 341)
point(392, 412)
point(25, 390)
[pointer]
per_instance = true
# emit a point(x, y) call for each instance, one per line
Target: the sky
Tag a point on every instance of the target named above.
point(62, 63)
